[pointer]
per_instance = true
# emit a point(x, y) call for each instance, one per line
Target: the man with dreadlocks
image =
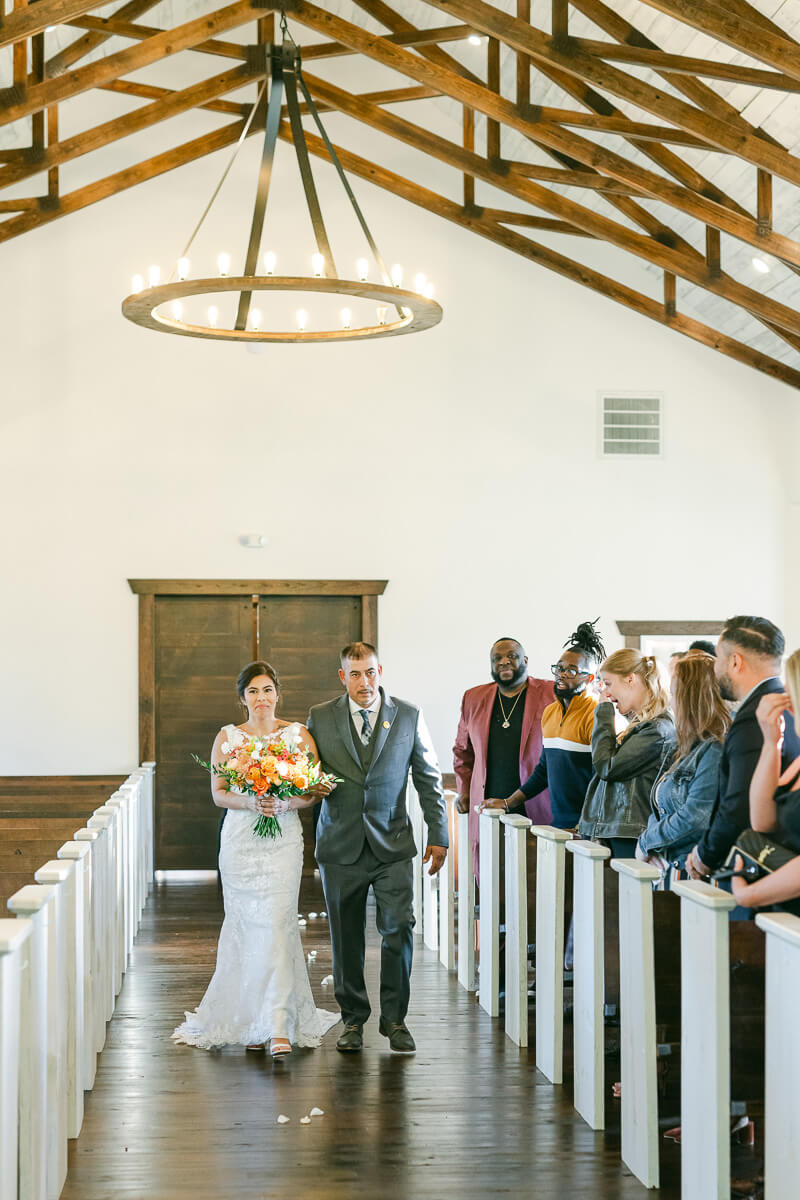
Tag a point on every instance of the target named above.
point(565, 765)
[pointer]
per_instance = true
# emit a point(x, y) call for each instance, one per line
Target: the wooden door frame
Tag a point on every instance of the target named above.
point(148, 589)
point(634, 631)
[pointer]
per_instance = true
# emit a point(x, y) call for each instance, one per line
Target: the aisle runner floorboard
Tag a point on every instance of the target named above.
point(467, 1117)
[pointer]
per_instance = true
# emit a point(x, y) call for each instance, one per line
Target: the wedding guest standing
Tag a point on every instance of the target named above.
point(617, 805)
point(775, 799)
point(499, 738)
point(747, 665)
point(687, 788)
point(371, 741)
point(565, 764)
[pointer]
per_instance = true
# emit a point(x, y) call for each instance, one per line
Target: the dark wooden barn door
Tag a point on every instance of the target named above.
point(192, 647)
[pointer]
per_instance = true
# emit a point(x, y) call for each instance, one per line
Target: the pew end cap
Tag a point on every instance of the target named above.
point(31, 898)
point(588, 849)
point(550, 833)
point(13, 932)
point(782, 925)
point(635, 869)
point(703, 894)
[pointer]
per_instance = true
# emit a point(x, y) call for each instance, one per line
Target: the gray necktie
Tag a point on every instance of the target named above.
point(365, 726)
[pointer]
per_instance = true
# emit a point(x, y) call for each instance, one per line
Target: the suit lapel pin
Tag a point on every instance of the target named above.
point(386, 725)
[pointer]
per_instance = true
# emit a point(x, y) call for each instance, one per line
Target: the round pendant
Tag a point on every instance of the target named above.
point(506, 725)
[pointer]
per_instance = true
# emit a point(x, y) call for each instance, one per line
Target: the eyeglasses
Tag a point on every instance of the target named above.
point(567, 672)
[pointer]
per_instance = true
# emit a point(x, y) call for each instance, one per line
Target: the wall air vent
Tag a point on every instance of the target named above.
point(631, 424)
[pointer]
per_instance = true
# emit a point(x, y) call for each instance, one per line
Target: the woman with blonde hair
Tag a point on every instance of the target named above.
point(687, 788)
point(775, 799)
point(617, 804)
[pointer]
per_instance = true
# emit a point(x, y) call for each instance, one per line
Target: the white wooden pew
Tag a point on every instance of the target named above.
point(103, 822)
point(80, 852)
point(516, 901)
point(466, 905)
point(782, 1066)
point(63, 874)
point(705, 1041)
point(588, 980)
point(550, 879)
point(13, 953)
point(489, 865)
point(35, 903)
point(638, 1019)
point(98, 969)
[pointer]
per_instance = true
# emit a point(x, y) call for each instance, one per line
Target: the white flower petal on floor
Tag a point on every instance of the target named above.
point(282, 1120)
point(324, 916)
point(317, 1112)
point(305, 1120)
point(328, 979)
point(302, 921)
point(312, 916)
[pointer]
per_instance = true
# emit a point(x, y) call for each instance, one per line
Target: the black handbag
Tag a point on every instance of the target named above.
point(760, 853)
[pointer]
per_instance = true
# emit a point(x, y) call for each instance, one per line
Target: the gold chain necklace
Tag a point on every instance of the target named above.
point(506, 716)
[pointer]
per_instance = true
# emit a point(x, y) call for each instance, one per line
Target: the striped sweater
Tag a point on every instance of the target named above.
point(565, 766)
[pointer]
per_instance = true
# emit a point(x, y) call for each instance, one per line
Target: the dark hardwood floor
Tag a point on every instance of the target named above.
point(468, 1116)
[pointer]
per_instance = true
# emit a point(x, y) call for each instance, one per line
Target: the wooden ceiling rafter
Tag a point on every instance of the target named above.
point(742, 226)
point(582, 67)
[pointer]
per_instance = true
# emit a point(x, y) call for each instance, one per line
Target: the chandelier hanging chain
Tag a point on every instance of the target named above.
point(306, 174)
point(275, 64)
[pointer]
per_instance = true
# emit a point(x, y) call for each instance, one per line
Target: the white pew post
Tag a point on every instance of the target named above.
point(130, 789)
point(120, 804)
point(466, 905)
point(588, 978)
point(705, 1042)
point(430, 906)
point(139, 776)
point(61, 1015)
point(447, 887)
point(113, 893)
point(415, 816)
point(489, 863)
point(13, 936)
point(103, 823)
point(95, 839)
point(36, 1115)
point(80, 852)
point(516, 831)
point(149, 769)
point(782, 1064)
point(638, 1018)
point(67, 872)
point(550, 878)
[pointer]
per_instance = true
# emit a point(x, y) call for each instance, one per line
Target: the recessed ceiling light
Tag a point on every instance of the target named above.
point(761, 265)
point(474, 40)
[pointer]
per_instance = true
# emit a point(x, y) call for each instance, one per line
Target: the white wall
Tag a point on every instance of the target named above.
point(460, 464)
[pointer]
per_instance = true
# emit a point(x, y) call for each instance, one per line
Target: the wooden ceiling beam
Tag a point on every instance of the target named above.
point(542, 48)
point(681, 64)
point(398, 24)
point(735, 28)
point(170, 104)
point(148, 91)
point(477, 96)
point(543, 256)
point(82, 46)
point(35, 18)
point(567, 178)
point(634, 131)
point(531, 221)
point(115, 27)
point(153, 49)
point(691, 267)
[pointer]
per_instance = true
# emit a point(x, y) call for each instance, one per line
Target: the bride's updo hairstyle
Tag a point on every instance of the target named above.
point(630, 662)
point(252, 671)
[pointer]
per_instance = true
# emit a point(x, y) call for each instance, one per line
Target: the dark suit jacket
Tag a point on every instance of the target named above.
point(740, 754)
point(371, 806)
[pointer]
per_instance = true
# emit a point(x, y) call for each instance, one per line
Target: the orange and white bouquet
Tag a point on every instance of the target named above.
point(279, 766)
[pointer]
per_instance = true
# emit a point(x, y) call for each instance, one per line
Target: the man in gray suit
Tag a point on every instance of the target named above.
point(364, 838)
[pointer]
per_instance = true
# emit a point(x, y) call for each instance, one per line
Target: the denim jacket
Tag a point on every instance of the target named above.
point(686, 799)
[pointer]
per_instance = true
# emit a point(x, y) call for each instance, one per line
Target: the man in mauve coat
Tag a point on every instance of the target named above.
point(499, 739)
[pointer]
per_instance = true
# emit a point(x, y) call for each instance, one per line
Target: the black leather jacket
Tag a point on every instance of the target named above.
point(617, 800)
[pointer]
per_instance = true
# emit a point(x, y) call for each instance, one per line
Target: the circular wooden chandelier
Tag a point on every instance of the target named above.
point(160, 306)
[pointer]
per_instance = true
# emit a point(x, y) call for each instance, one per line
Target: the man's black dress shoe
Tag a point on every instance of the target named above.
point(399, 1037)
point(351, 1039)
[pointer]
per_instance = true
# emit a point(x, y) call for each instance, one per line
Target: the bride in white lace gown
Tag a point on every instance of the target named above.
point(259, 992)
